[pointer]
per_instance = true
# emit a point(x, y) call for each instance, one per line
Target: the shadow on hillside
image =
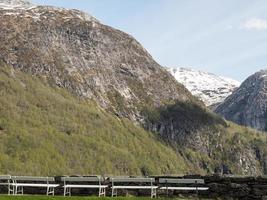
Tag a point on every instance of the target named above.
point(181, 120)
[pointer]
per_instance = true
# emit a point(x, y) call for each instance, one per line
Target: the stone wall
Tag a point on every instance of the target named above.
point(234, 187)
point(220, 187)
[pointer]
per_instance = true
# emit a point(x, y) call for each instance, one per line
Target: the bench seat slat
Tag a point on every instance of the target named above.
point(183, 188)
point(85, 186)
point(134, 187)
point(181, 181)
point(34, 185)
point(32, 178)
point(5, 177)
point(82, 179)
point(133, 180)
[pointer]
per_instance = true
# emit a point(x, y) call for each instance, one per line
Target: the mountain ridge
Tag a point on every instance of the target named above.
point(82, 58)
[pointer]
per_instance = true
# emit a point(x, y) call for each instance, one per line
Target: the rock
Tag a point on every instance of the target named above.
point(222, 169)
point(262, 179)
point(213, 178)
point(73, 50)
point(240, 179)
point(248, 104)
point(220, 189)
point(259, 190)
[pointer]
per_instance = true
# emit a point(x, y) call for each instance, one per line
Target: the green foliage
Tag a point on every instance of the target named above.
point(222, 143)
point(47, 131)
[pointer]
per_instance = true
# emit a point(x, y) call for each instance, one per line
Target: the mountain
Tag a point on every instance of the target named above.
point(15, 4)
point(47, 131)
point(208, 87)
point(89, 98)
point(75, 51)
point(248, 104)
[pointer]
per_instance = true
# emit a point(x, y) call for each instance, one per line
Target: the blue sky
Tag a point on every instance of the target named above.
point(226, 37)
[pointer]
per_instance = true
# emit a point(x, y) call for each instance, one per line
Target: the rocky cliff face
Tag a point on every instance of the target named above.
point(208, 87)
point(77, 52)
point(247, 105)
point(73, 50)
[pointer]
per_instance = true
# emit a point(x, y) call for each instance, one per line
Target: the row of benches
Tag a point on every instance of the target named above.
point(16, 184)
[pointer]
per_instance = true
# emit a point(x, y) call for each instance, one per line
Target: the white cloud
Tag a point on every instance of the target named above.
point(257, 24)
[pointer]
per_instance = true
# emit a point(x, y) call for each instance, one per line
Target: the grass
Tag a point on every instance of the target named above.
point(48, 131)
point(89, 198)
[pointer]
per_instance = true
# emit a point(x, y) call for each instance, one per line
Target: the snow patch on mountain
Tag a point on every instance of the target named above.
point(24, 8)
point(210, 88)
point(15, 4)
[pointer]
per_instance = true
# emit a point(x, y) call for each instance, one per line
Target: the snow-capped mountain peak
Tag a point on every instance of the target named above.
point(13, 4)
point(24, 8)
point(210, 88)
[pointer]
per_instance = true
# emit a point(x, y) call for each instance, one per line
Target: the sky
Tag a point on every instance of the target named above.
point(225, 37)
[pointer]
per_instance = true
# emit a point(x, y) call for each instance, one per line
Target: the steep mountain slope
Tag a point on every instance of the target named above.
point(248, 105)
point(208, 87)
point(47, 131)
point(71, 50)
point(75, 51)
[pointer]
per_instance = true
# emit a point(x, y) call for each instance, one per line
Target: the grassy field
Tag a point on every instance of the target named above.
point(86, 198)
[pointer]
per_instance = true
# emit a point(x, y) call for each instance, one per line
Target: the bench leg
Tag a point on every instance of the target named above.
point(102, 191)
point(99, 192)
point(10, 190)
point(67, 190)
point(153, 192)
point(47, 191)
point(50, 190)
point(114, 192)
point(167, 192)
point(18, 191)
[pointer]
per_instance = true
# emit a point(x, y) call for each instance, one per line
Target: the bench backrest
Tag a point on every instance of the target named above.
point(32, 178)
point(82, 179)
point(132, 180)
point(181, 181)
point(5, 177)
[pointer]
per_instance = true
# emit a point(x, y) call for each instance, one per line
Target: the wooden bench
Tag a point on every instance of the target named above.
point(5, 180)
point(182, 184)
point(19, 182)
point(93, 182)
point(133, 184)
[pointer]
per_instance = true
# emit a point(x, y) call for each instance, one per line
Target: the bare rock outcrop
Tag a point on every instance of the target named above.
point(248, 104)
